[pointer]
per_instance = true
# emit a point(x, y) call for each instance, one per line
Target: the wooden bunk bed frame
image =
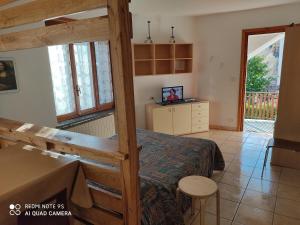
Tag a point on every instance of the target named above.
point(108, 208)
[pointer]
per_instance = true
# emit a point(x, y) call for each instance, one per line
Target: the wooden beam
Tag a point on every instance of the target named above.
point(62, 141)
point(5, 2)
point(109, 200)
point(96, 216)
point(121, 56)
point(39, 10)
point(87, 30)
point(103, 175)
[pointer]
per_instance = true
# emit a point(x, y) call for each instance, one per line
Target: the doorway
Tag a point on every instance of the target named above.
point(261, 63)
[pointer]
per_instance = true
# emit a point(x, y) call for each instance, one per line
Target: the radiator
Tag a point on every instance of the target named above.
point(103, 127)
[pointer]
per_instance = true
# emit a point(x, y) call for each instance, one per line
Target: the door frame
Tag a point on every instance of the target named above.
point(243, 69)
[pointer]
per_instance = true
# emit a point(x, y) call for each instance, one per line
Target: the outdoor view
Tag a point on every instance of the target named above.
point(265, 54)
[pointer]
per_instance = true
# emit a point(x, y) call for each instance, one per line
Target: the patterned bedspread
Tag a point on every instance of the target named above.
point(164, 160)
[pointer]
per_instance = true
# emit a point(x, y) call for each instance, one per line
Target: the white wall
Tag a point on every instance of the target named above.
point(150, 86)
point(219, 38)
point(34, 102)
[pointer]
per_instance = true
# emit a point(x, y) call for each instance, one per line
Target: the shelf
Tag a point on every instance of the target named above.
point(143, 68)
point(183, 66)
point(164, 51)
point(183, 51)
point(143, 51)
point(162, 59)
point(143, 60)
point(164, 66)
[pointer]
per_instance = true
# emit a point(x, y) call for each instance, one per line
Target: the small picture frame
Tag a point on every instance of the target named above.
point(8, 76)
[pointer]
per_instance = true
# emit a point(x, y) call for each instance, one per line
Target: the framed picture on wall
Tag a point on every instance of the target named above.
point(8, 78)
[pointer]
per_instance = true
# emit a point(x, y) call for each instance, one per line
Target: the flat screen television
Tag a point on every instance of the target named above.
point(172, 94)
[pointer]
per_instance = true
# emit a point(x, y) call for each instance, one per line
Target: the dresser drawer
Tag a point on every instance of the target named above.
point(200, 113)
point(200, 106)
point(200, 128)
point(200, 120)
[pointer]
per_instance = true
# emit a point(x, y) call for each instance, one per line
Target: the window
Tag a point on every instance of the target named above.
point(81, 77)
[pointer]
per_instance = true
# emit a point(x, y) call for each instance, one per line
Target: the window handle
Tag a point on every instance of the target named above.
point(78, 90)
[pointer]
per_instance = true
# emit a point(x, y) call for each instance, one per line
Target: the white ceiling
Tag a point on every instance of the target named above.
point(199, 7)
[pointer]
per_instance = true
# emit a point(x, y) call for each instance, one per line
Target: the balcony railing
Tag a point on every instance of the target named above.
point(261, 105)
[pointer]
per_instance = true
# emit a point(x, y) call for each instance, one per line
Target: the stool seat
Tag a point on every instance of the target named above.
point(198, 186)
point(201, 188)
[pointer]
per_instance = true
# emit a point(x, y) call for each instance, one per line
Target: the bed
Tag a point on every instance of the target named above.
point(164, 160)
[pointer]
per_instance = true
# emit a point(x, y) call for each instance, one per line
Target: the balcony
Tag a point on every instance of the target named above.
point(260, 111)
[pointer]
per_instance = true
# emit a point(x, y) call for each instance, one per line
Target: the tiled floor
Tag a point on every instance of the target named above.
point(246, 199)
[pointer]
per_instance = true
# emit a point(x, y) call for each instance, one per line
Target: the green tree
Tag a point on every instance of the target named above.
point(257, 75)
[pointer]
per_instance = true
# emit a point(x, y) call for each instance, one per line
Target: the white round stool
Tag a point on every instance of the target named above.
point(201, 188)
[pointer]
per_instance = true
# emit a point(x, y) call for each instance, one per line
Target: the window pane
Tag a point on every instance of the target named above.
point(84, 72)
point(62, 79)
point(104, 72)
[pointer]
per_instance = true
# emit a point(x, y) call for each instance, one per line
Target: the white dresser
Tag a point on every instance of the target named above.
point(178, 119)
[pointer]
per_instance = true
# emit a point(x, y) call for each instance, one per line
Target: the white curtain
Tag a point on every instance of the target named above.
point(83, 61)
point(104, 72)
point(62, 79)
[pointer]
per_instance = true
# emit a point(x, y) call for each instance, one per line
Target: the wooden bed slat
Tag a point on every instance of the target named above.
point(5, 2)
point(97, 216)
point(101, 174)
point(39, 10)
point(64, 141)
point(88, 30)
point(103, 198)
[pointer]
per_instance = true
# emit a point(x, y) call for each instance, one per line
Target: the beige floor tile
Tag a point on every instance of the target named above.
point(288, 208)
point(228, 208)
point(248, 215)
point(217, 175)
point(219, 140)
point(248, 153)
point(269, 174)
point(290, 177)
point(210, 219)
point(228, 157)
point(288, 192)
point(260, 164)
point(232, 179)
point(227, 165)
point(283, 220)
point(237, 138)
point(232, 193)
point(259, 200)
point(263, 186)
point(238, 169)
point(230, 147)
point(246, 161)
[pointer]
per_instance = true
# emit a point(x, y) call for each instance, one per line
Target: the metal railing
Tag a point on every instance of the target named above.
point(261, 105)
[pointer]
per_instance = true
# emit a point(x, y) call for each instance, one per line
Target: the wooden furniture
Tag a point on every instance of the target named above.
point(33, 177)
point(282, 144)
point(201, 188)
point(158, 59)
point(116, 27)
point(178, 119)
point(106, 207)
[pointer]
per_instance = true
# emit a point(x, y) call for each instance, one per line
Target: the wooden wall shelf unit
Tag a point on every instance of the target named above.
point(162, 59)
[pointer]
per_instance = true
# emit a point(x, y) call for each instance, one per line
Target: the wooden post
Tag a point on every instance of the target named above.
point(121, 56)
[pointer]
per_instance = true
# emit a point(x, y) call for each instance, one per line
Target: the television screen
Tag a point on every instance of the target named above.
point(172, 94)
